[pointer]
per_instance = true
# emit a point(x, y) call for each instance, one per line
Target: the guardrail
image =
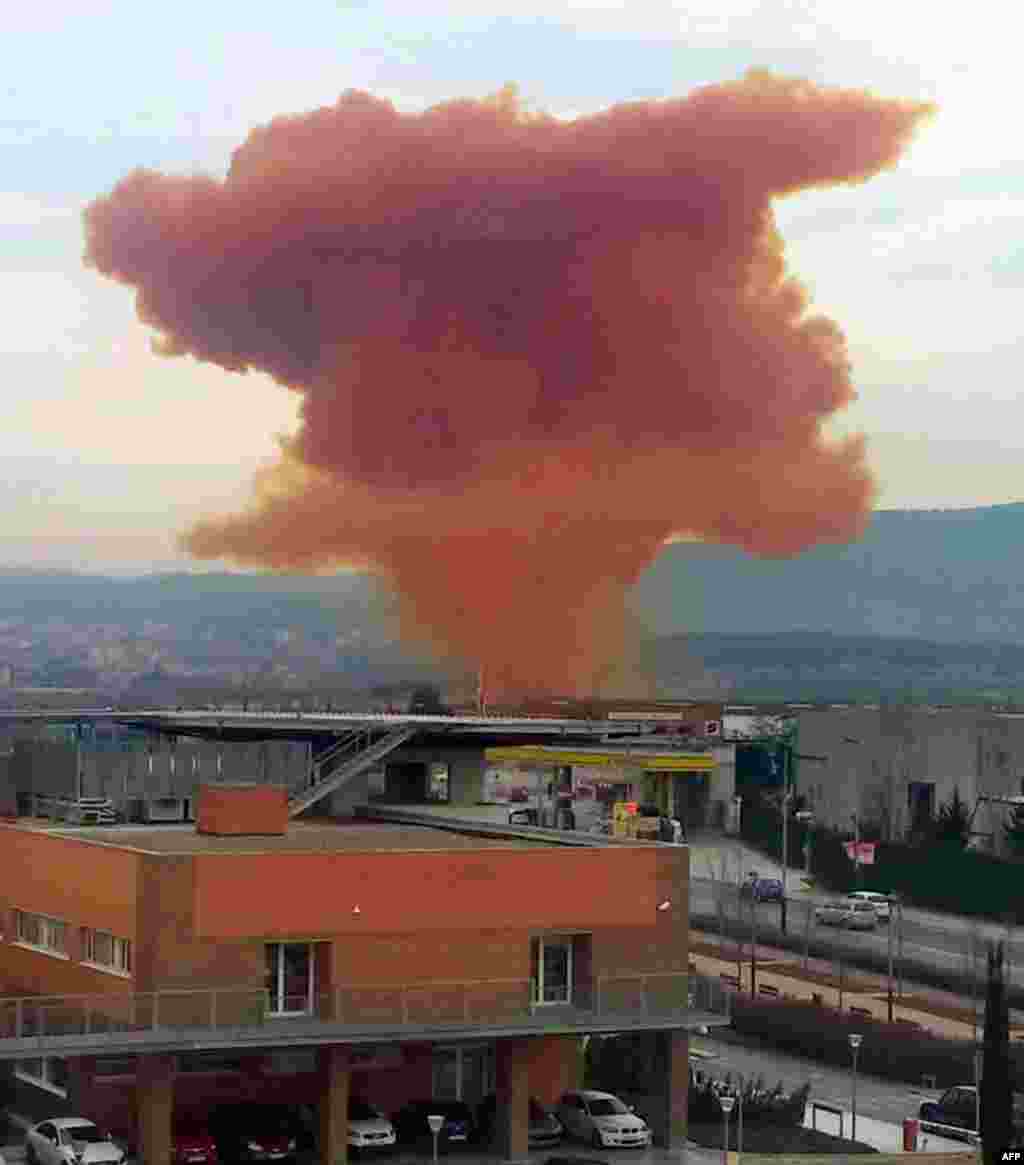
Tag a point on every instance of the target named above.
point(834, 1110)
point(39, 1024)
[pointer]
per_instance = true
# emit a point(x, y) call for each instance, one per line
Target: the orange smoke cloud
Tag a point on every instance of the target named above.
point(529, 350)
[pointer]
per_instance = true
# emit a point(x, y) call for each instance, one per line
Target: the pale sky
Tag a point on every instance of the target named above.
point(108, 450)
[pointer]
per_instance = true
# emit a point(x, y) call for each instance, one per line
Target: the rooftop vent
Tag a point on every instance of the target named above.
point(242, 809)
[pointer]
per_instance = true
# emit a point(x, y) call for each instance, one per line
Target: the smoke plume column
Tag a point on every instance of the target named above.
point(528, 350)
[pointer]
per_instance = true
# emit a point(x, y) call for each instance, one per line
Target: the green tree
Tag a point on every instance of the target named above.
point(953, 821)
point(1013, 830)
point(996, 1084)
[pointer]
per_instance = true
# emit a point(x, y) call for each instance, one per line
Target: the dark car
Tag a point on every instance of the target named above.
point(956, 1110)
point(411, 1125)
point(545, 1128)
point(762, 889)
point(249, 1133)
point(192, 1143)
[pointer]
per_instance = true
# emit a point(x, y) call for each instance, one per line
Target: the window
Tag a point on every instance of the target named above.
point(101, 949)
point(50, 1073)
point(41, 932)
point(463, 1073)
point(290, 978)
point(114, 1066)
point(551, 960)
point(217, 1062)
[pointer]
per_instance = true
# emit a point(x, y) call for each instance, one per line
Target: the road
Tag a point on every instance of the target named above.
point(949, 950)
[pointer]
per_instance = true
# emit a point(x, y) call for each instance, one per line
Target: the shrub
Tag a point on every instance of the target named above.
point(761, 1105)
point(818, 1033)
point(933, 874)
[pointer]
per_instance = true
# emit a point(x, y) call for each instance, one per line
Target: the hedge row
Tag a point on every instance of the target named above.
point(934, 875)
point(820, 1034)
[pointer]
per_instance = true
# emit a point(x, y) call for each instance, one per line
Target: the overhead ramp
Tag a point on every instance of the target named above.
point(353, 754)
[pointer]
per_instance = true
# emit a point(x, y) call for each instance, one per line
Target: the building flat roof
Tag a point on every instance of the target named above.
point(302, 837)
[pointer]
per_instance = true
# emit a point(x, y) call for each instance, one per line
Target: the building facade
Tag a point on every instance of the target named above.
point(161, 969)
point(895, 766)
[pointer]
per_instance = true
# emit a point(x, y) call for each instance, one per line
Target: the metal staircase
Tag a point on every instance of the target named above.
point(353, 754)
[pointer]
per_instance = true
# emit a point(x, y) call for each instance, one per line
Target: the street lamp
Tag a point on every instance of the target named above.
point(726, 1102)
point(435, 1123)
point(855, 1042)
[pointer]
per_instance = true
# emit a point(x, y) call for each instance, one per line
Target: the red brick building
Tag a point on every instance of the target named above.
point(246, 958)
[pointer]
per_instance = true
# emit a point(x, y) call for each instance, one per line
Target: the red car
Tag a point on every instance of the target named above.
point(192, 1143)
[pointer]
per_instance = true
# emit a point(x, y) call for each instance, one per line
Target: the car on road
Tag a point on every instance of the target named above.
point(369, 1130)
point(603, 1120)
point(847, 913)
point(762, 889)
point(250, 1134)
point(459, 1126)
point(881, 902)
point(70, 1140)
point(544, 1129)
point(956, 1111)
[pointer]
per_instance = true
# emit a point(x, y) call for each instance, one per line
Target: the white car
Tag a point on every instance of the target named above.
point(70, 1140)
point(603, 1120)
point(879, 901)
point(852, 915)
point(368, 1129)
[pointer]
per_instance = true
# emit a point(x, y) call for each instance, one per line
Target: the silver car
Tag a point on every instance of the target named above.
point(878, 900)
point(603, 1120)
point(851, 914)
point(70, 1140)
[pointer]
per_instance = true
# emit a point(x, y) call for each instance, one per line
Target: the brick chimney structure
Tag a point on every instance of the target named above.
point(242, 809)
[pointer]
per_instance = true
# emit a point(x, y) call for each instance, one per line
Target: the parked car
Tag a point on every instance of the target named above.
point(603, 1120)
point(762, 889)
point(459, 1127)
point(544, 1129)
point(523, 817)
point(192, 1143)
point(368, 1128)
point(853, 915)
point(247, 1133)
point(879, 901)
point(956, 1109)
point(70, 1140)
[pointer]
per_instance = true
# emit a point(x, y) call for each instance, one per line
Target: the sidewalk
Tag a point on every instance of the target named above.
point(880, 1135)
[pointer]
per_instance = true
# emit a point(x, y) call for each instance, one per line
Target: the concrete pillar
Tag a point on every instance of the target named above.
point(333, 1065)
point(512, 1089)
point(81, 1073)
point(669, 1117)
point(555, 1063)
point(466, 773)
point(155, 1103)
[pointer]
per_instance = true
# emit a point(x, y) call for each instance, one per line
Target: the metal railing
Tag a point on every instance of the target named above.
point(41, 1022)
point(353, 754)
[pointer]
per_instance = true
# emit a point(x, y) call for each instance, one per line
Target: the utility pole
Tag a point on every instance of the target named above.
point(890, 937)
point(753, 946)
point(785, 848)
point(899, 951)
